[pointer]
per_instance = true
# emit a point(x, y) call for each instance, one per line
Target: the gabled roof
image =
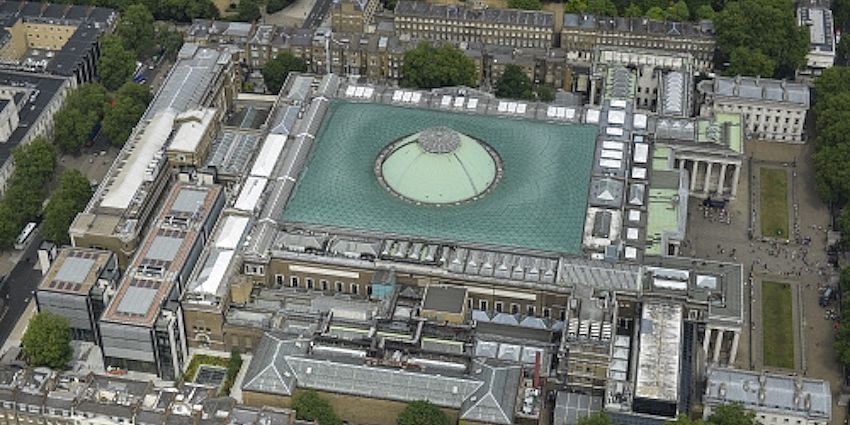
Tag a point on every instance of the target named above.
point(493, 401)
point(269, 371)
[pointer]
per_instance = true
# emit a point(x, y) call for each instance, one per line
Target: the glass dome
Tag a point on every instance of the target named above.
point(438, 166)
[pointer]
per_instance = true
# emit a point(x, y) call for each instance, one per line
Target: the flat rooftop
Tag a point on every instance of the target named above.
point(74, 271)
point(539, 203)
point(660, 346)
point(163, 254)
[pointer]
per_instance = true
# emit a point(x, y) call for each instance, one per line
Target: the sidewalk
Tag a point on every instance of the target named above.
point(17, 334)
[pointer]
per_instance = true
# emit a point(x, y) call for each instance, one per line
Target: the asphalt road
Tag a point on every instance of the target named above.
point(22, 282)
point(317, 14)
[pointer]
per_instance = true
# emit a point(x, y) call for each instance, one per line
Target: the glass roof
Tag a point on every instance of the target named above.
point(539, 202)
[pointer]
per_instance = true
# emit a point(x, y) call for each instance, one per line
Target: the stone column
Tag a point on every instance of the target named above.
point(722, 181)
point(707, 340)
point(734, 352)
point(707, 177)
point(694, 170)
point(735, 179)
point(718, 343)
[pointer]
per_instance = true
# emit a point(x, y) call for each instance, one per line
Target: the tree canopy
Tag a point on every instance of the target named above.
point(428, 67)
point(273, 6)
point(116, 64)
point(248, 10)
point(656, 13)
point(136, 29)
point(276, 70)
point(127, 107)
point(514, 84)
point(596, 7)
point(168, 39)
point(27, 187)
point(309, 406)
point(525, 4)
point(746, 61)
point(832, 145)
point(422, 412)
point(678, 11)
point(766, 27)
point(47, 341)
point(67, 200)
point(74, 123)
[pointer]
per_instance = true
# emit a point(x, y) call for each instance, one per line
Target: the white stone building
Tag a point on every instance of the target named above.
point(772, 109)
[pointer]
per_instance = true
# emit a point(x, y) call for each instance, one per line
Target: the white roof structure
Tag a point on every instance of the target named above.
point(268, 156)
point(212, 275)
point(784, 395)
point(249, 197)
point(193, 125)
point(231, 232)
point(132, 174)
point(660, 348)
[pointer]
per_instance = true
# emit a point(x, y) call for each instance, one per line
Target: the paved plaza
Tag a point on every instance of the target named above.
point(801, 260)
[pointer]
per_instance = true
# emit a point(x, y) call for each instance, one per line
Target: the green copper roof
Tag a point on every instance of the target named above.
point(438, 166)
point(538, 203)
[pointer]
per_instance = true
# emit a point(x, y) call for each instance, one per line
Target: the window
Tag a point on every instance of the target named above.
point(278, 279)
point(293, 281)
point(530, 310)
point(338, 285)
point(355, 289)
point(547, 312)
point(324, 284)
point(469, 303)
point(482, 305)
point(309, 282)
point(563, 315)
point(369, 290)
point(514, 308)
point(499, 306)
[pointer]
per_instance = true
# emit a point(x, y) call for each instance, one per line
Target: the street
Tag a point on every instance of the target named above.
point(22, 281)
point(317, 13)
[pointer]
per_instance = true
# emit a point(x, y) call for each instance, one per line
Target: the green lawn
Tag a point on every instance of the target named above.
point(778, 328)
point(773, 202)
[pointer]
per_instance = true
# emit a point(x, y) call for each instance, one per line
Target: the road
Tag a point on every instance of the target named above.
point(22, 282)
point(317, 14)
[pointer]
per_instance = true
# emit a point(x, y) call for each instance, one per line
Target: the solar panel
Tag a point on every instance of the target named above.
point(136, 300)
point(74, 269)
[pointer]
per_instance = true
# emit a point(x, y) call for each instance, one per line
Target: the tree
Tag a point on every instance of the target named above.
point(422, 412)
point(545, 93)
point(632, 11)
point(74, 123)
point(514, 84)
point(596, 7)
point(276, 70)
point(765, 26)
point(136, 29)
point(525, 4)
point(705, 11)
point(168, 39)
point(843, 222)
point(129, 105)
point(656, 13)
point(678, 12)
point(248, 11)
point(35, 162)
point(428, 67)
point(47, 341)
point(746, 61)
point(277, 5)
point(832, 172)
point(598, 418)
point(68, 199)
point(575, 6)
point(309, 406)
point(732, 414)
point(116, 63)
